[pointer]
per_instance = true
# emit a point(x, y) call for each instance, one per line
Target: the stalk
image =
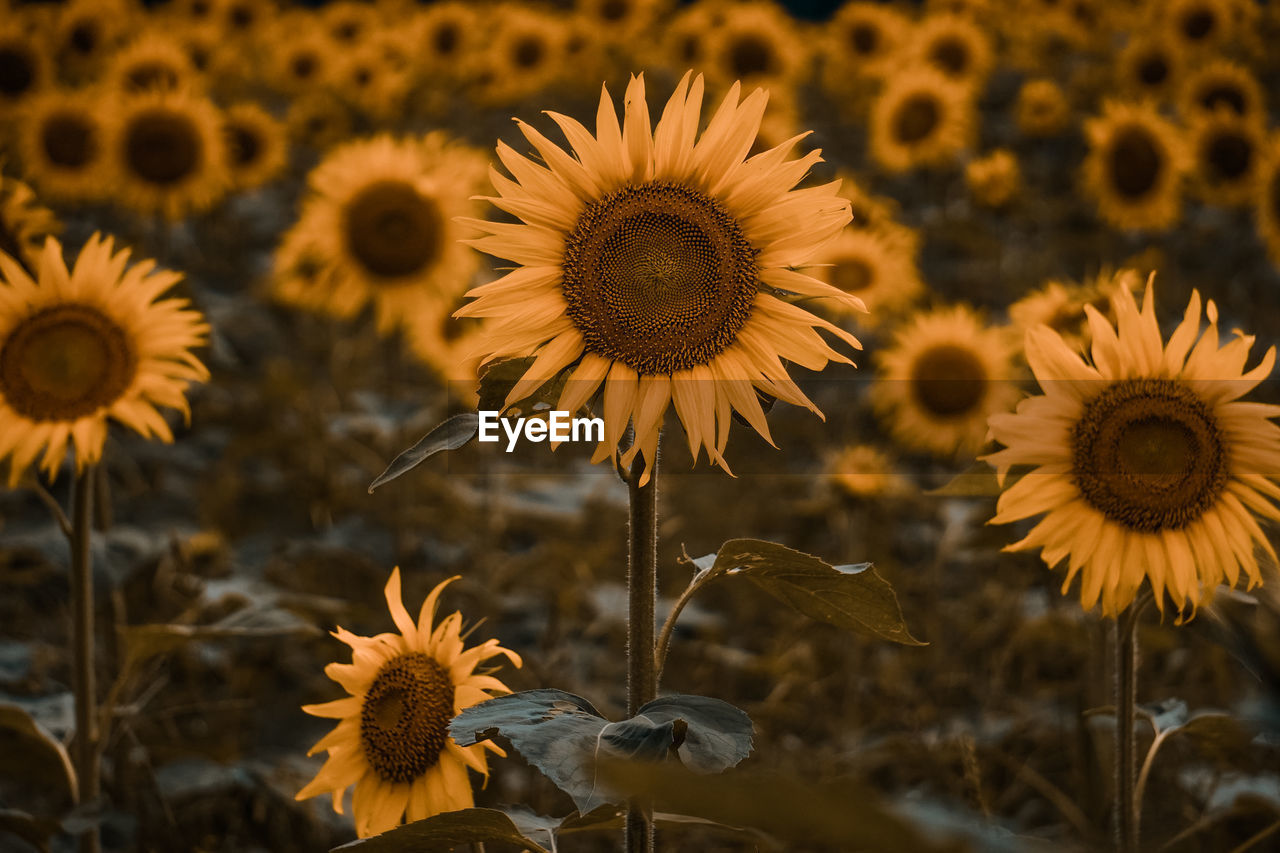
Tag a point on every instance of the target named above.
point(86, 754)
point(642, 591)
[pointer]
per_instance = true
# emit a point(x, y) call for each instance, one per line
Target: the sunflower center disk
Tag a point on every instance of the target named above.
point(952, 56)
point(948, 381)
point(916, 118)
point(1153, 70)
point(1135, 163)
point(1230, 156)
point(162, 147)
point(151, 75)
point(64, 363)
point(1223, 94)
point(659, 276)
point(392, 229)
point(404, 722)
point(852, 275)
point(17, 72)
point(1148, 453)
point(864, 39)
point(749, 56)
point(68, 140)
point(244, 145)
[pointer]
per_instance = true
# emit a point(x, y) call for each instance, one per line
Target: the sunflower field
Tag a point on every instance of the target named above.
point(642, 425)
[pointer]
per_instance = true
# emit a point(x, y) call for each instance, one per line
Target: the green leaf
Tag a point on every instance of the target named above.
point(18, 725)
point(564, 736)
point(450, 435)
point(501, 376)
point(446, 831)
point(853, 597)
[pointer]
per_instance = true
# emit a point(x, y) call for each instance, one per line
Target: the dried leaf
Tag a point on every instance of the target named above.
point(446, 831)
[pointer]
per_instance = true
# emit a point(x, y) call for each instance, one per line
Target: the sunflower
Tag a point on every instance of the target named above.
point(256, 146)
point(318, 120)
point(524, 56)
point(757, 44)
point(169, 157)
point(348, 23)
point(24, 222)
point(62, 140)
point(864, 471)
point(393, 740)
point(995, 179)
point(945, 373)
point(79, 347)
point(447, 345)
point(1061, 305)
point(1135, 166)
point(619, 21)
point(1148, 464)
point(683, 41)
point(243, 19)
point(371, 84)
point(1042, 108)
point(153, 61)
point(301, 275)
point(878, 214)
point(447, 34)
point(1267, 201)
point(86, 33)
point(657, 267)
point(1197, 25)
point(1226, 151)
point(953, 45)
point(1150, 66)
point(867, 264)
point(1222, 84)
point(382, 218)
point(862, 39)
point(302, 58)
point(25, 69)
point(921, 118)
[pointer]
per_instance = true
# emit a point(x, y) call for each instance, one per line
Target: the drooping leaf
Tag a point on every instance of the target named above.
point(446, 831)
point(564, 736)
point(22, 732)
point(853, 597)
point(450, 435)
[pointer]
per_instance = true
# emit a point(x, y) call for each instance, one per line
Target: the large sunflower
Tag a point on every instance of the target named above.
point(393, 740)
point(1135, 166)
point(944, 375)
point(381, 218)
point(81, 346)
point(1148, 463)
point(659, 267)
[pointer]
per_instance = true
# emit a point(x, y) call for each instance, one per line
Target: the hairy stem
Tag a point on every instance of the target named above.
point(1126, 685)
point(642, 592)
point(86, 755)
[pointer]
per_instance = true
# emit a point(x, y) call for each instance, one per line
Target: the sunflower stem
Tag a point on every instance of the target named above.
point(86, 754)
point(642, 592)
point(1126, 685)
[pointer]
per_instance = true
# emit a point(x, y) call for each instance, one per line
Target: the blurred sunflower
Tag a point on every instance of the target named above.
point(945, 373)
point(87, 32)
point(81, 346)
point(878, 214)
point(1222, 84)
point(995, 179)
point(244, 20)
point(1148, 464)
point(861, 40)
point(301, 276)
point(25, 69)
point(1061, 305)
point(1135, 166)
point(347, 22)
point(953, 45)
point(683, 41)
point(620, 21)
point(921, 118)
point(867, 264)
point(1267, 200)
point(256, 147)
point(169, 157)
point(1150, 66)
point(1197, 24)
point(382, 219)
point(392, 741)
point(864, 471)
point(1226, 152)
point(446, 34)
point(756, 44)
point(371, 84)
point(448, 345)
point(318, 120)
point(302, 58)
point(652, 265)
point(62, 141)
point(24, 222)
point(201, 44)
point(1042, 108)
point(525, 54)
point(154, 61)
point(197, 11)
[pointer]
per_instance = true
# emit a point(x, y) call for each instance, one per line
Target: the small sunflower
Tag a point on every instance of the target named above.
point(653, 264)
point(921, 118)
point(1197, 25)
point(82, 346)
point(25, 69)
point(24, 222)
point(1135, 166)
point(862, 39)
point(256, 147)
point(87, 32)
point(619, 21)
point(392, 741)
point(1042, 108)
point(683, 41)
point(62, 140)
point(1226, 151)
point(152, 62)
point(302, 58)
point(1267, 200)
point(945, 374)
point(867, 264)
point(1061, 305)
point(168, 155)
point(756, 44)
point(954, 45)
point(371, 84)
point(995, 179)
point(447, 36)
point(1222, 84)
point(524, 56)
point(878, 214)
point(348, 23)
point(382, 216)
point(318, 120)
point(864, 471)
point(1151, 66)
point(1148, 463)
point(448, 345)
point(243, 19)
